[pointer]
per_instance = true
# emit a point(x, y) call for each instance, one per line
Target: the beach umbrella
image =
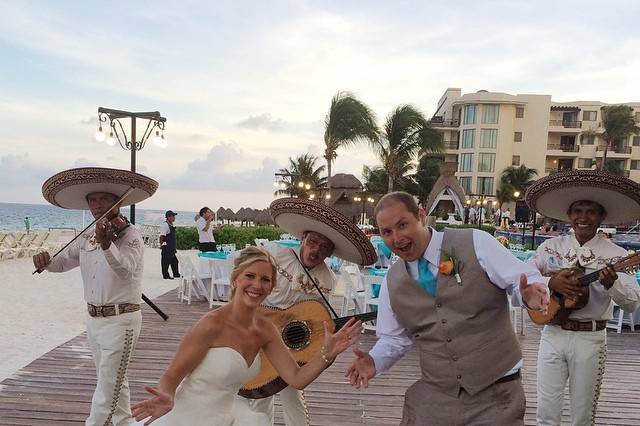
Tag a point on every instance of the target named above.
point(221, 214)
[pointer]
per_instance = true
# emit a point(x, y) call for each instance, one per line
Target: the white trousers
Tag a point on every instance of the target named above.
point(112, 340)
point(293, 405)
point(578, 356)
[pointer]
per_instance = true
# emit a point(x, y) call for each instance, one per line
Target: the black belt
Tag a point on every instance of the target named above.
point(509, 377)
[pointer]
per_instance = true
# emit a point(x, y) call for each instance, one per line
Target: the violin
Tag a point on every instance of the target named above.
point(111, 227)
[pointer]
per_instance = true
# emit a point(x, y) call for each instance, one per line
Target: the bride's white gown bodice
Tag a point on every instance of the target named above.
point(207, 396)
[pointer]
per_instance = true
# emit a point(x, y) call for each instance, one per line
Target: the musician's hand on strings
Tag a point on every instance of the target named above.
point(361, 370)
point(534, 295)
point(565, 283)
point(155, 407)
point(104, 233)
point(338, 342)
point(607, 276)
point(41, 260)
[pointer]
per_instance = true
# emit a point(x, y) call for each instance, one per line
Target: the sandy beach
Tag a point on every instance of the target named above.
point(42, 311)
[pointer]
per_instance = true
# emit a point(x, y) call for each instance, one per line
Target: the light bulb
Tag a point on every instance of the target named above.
point(300, 184)
point(516, 194)
point(307, 187)
point(328, 196)
point(111, 141)
point(312, 196)
point(100, 136)
point(159, 140)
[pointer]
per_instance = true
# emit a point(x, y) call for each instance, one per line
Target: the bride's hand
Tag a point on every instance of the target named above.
point(336, 343)
point(155, 407)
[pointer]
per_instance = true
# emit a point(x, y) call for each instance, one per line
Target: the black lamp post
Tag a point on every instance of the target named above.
point(364, 198)
point(117, 134)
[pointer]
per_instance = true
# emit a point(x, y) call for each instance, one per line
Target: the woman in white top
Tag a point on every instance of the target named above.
point(222, 352)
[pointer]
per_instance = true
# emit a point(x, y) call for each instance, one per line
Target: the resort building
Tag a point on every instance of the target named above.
point(485, 132)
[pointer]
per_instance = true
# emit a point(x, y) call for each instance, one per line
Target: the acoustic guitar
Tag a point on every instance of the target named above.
point(302, 330)
point(560, 305)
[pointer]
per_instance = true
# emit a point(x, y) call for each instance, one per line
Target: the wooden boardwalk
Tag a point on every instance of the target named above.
point(56, 389)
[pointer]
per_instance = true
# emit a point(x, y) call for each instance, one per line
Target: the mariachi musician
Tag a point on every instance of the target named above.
point(110, 256)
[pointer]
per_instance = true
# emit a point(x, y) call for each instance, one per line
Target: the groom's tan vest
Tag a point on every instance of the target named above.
point(464, 334)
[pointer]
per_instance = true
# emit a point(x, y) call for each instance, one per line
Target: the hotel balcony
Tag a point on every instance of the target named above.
point(451, 144)
point(615, 149)
point(563, 147)
point(565, 126)
point(437, 121)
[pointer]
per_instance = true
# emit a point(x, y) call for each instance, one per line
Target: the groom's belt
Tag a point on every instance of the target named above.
point(111, 310)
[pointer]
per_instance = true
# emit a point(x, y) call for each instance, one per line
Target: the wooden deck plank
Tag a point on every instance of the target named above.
point(56, 388)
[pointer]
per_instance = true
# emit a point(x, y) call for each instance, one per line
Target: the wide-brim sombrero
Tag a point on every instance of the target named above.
point(69, 189)
point(298, 215)
point(552, 195)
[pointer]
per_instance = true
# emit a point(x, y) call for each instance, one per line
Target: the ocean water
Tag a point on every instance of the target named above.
point(44, 216)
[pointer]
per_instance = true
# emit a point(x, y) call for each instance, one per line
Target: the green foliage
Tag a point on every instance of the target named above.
point(619, 122)
point(611, 166)
point(375, 179)
point(422, 182)
point(519, 177)
point(302, 169)
point(486, 228)
point(187, 236)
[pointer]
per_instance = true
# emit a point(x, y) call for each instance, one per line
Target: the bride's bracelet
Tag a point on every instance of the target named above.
point(323, 353)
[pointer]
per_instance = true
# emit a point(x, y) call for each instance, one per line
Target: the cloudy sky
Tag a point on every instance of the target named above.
point(246, 85)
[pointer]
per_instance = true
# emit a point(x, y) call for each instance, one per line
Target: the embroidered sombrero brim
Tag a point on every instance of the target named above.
point(298, 215)
point(69, 189)
point(552, 195)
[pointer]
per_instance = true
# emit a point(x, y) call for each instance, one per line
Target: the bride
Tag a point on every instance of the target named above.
point(221, 352)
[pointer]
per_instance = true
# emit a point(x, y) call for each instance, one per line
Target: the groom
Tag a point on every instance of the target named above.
point(457, 315)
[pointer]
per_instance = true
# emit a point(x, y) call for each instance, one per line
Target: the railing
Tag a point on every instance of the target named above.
point(615, 148)
point(566, 124)
point(450, 144)
point(444, 123)
point(551, 170)
point(563, 148)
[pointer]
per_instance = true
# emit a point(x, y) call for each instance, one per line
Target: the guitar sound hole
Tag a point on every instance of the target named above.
point(296, 334)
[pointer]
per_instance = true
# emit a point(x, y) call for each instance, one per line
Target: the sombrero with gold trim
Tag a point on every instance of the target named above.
point(552, 195)
point(298, 215)
point(69, 189)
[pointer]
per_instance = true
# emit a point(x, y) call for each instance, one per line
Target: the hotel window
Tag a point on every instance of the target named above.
point(515, 160)
point(519, 112)
point(587, 139)
point(469, 114)
point(585, 163)
point(465, 183)
point(468, 135)
point(466, 162)
point(636, 141)
point(490, 114)
point(488, 138)
point(635, 164)
point(517, 136)
point(589, 115)
point(486, 162)
point(485, 185)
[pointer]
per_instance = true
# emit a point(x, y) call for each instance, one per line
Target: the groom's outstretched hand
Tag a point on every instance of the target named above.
point(361, 370)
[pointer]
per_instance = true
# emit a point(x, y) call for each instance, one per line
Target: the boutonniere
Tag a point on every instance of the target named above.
point(450, 265)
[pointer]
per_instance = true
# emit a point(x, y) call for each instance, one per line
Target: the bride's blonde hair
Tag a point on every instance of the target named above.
point(249, 256)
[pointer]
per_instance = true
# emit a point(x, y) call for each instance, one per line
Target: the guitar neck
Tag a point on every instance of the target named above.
point(367, 316)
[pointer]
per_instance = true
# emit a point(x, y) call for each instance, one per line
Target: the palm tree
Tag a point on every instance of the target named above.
point(504, 193)
point(375, 179)
point(406, 134)
point(618, 122)
point(519, 178)
point(348, 121)
point(302, 169)
point(422, 182)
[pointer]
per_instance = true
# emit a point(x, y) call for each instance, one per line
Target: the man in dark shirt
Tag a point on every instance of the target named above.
point(168, 247)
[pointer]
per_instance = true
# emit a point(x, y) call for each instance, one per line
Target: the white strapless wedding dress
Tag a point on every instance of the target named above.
point(209, 395)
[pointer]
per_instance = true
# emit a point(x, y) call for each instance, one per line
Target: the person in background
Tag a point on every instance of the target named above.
point(206, 230)
point(27, 223)
point(169, 247)
point(506, 218)
point(573, 346)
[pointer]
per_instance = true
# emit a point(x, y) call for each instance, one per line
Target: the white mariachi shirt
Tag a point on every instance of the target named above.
point(109, 276)
point(565, 252)
point(293, 284)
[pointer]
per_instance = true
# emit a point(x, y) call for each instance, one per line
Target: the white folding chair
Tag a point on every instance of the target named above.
point(190, 280)
point(220, 282)
point(352, 299)
point(617, 323)
point(371, 300)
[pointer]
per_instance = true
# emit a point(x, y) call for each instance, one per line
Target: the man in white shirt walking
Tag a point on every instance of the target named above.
point(110, 257)
point(447, 295)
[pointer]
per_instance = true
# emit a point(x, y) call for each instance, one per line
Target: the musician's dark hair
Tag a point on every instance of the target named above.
point(204, 210)
point(114, 196)
point(601, 208)
point(397, 197)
